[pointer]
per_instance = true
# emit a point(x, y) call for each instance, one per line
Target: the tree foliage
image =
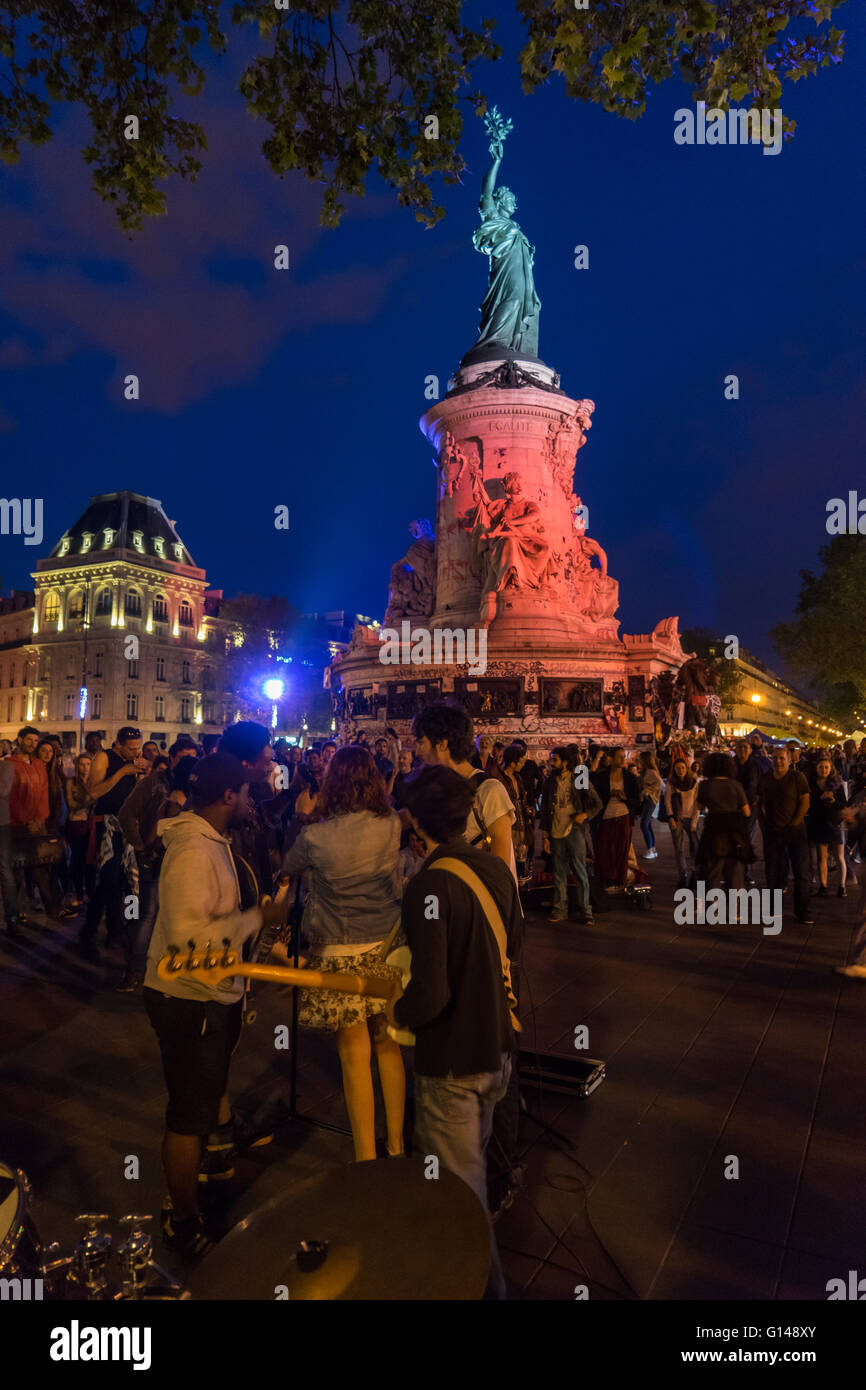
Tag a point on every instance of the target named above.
point(823, 643)
point(268, 639)
point(354, 87)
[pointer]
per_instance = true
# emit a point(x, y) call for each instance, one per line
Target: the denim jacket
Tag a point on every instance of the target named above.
point(354, 877)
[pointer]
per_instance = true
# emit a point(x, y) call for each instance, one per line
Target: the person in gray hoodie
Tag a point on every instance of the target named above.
point(198, 1024)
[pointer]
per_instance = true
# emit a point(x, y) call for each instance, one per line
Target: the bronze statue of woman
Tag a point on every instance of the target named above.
point(509, 313)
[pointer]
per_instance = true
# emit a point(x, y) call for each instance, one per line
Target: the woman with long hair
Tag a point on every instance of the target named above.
point(619, 790)
point(46, 750)
point(827, 800)
point(650, 796)
point(724, 849)
point(523, 826)
point(351, 850)
point(681, 796)
point(77, 828)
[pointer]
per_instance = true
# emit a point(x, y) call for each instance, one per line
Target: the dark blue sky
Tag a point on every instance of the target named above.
point(305, 387)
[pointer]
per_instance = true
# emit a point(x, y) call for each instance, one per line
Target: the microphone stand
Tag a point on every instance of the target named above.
point(294, 1113)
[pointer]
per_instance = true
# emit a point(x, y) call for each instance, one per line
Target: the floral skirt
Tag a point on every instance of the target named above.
point(330, 1009)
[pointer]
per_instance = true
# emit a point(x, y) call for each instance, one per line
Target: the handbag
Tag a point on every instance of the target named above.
point(37, 851)
point(402, 956)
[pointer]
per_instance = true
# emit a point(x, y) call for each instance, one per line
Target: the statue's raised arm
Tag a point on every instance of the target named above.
point(509, 314)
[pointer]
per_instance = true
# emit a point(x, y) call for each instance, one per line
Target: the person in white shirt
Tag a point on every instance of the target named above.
point(444, 737)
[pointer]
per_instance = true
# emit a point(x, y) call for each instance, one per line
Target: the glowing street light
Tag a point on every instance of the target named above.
point(273, 688)
point(756, 699)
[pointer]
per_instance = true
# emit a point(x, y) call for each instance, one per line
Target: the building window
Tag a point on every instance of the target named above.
point(86, 541)
point(132, 706)
point(71, 665)
point(51, 611)
point(132, 671)
point(178, 550)
point(160, 668)
point(103, 602)
point(160, 609)
point(12, 674)
point(184, 709)
point(185, 615)
point(108, 538)
point(159, 707)
point(64, 546)
point(133, 603)
point(97, 704)
point(10, 700)
point(97, 664)
point(208, 712)
point(138, 540)
point(185, 673)
point(75, 607)
point(159, 546)
point(67, 712)
point(44, 668)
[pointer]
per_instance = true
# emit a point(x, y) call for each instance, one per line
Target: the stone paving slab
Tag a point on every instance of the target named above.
point(717, 1040)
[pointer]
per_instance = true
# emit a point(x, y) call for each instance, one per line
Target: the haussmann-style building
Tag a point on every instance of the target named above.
point(120, 572)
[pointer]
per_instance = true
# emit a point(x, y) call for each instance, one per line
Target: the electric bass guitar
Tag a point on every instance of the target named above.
point(210, 966)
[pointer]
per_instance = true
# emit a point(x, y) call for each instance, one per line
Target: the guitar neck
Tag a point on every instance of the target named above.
point(378, 988)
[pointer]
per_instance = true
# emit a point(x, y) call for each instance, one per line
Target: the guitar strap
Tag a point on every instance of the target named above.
point(494, 921)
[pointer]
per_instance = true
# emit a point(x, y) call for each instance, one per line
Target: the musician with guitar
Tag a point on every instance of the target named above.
point(197, 1022)
point(463, 923)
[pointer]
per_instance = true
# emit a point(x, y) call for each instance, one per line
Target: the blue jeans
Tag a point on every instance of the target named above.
point(8, 886)
point(647, 807)
point(140, 932)
point(569, 853)
point(454, 1121)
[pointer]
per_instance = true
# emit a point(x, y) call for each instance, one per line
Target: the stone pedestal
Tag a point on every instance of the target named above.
point(513, 560)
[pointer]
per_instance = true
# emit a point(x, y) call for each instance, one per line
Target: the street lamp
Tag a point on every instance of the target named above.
point(273, 688)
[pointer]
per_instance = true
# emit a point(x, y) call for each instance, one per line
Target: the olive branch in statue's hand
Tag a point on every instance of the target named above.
point(497, 127)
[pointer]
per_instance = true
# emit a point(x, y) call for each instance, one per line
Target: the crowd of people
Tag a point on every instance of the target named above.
point(366, 846)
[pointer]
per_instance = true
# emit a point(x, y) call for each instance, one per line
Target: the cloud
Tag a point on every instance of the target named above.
point(161, 313)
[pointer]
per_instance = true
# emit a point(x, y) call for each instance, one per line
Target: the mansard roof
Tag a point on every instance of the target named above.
point(114, 522)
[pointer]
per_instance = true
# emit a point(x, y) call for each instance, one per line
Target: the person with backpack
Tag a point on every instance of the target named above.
point(444, 738)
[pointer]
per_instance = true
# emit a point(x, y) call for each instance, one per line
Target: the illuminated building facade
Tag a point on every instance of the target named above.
point(121, 612)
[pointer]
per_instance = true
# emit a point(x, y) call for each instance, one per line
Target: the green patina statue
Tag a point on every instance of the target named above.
point(509, 314)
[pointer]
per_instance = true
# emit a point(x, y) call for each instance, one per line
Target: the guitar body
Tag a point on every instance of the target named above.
point(402, 959)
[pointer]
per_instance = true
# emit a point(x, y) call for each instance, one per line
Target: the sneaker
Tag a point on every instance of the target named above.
point(854, 972)
point(186, 1238)
point(589, 919)
point(237, 1133)
point(650, 854)
point(130, 983)
point(556, 916)
point(806, 921)
point(841, 891)
point(216, 1167)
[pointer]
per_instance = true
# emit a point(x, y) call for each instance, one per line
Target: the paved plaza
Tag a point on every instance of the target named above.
point(720, 1043)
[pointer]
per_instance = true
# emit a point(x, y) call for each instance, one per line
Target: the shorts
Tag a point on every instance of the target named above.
point(196, 1038)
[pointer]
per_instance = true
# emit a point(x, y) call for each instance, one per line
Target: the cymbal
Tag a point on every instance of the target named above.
point(379, 1230)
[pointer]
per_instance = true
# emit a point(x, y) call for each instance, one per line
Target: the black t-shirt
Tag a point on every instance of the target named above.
point(780, 797)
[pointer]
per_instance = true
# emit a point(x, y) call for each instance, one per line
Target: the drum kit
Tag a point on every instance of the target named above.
point(384, 1230)
point(94, 1270)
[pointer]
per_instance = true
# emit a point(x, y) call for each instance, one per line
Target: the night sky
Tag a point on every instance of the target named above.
point(305, 387)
